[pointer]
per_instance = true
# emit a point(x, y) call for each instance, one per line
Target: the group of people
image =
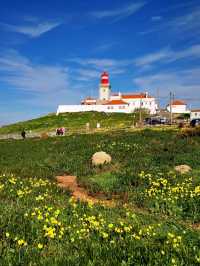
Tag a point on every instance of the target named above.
point(60, 131)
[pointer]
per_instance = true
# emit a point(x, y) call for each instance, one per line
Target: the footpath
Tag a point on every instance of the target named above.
point(28, 135)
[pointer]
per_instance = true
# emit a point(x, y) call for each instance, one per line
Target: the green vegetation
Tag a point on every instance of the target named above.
point(74, 122)
point(151, 224)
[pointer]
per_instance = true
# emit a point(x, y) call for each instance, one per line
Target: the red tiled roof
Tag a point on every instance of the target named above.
point(195, 110)
point(115, 102)
point(89, 99)
point(115, 94)
point(178, 102)
point(135, 96)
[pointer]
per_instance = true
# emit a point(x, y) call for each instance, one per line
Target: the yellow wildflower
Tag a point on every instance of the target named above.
point(104, 235)
point(40, 246)
point(21, 242)
point(110, 226)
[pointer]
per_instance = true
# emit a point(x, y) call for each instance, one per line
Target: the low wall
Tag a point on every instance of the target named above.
point(97, 108)
point(194, 115)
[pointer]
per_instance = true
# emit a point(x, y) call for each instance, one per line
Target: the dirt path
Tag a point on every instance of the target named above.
point(79, 193)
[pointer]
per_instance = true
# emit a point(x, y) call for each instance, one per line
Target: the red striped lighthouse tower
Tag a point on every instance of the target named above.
point(104, 88)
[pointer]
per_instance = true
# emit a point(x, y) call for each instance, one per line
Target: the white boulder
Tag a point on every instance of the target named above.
point(183, 168)
point(100, 158)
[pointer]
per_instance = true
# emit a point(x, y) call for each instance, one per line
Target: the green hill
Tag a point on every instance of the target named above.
point(73, 121)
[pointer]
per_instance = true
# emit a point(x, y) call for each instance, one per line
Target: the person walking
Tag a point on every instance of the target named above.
point(23, 134)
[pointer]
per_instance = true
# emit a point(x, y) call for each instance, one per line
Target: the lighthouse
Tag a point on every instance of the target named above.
point(112, 102)
point(104, 88)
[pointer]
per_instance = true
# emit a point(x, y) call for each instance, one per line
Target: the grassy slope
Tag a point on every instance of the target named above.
point(131, 151)
point(72, 121)
point(150, 151)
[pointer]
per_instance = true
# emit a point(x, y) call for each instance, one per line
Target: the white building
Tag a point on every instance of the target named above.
point(112, 103)
point(195, 113)
point(178, 107)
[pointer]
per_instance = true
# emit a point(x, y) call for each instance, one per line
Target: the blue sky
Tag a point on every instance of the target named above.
point(53, 52)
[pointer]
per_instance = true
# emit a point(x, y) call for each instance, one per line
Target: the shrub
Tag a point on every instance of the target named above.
point(189, 132)
point(181, 125)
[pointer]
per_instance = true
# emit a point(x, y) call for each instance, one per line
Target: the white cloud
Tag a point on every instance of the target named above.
point(91, 68)
point(21, 73)
point(33, 29)
point(119, 13)
point(153, 57)
point(91, 74)
point(185, 26)
point(95, 62)
point(104, 47)
point(86, 74)
point(101, 64)
point(187, 22)
point(167, 55)
point(156, 18)
point(184, 83)
point(40, 87)
point(191, 52)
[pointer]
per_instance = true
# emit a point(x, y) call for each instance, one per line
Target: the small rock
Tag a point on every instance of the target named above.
point(183, 169)
point(98, 125)
point(100, 158)
point(87, 126)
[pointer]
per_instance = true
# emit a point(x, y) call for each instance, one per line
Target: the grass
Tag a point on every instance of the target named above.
point(131, 152)
point(40, 225)
point(73, 122)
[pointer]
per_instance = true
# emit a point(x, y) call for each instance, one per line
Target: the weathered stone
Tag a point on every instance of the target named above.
point(100, 158)
point(183, 169)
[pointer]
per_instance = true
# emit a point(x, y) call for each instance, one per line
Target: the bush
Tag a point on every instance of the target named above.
point(189, 132)
point(181, 125)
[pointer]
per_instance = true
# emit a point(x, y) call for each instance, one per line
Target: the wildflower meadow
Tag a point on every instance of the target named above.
point(157, 223)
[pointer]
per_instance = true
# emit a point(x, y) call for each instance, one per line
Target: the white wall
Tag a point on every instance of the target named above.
point(194, 115)
point(116, 96)
point(178, 109)
point(104, 93)
point(99, 108)
point(146, 103)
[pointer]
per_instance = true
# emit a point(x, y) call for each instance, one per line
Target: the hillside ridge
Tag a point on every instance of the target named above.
point(73, 121)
